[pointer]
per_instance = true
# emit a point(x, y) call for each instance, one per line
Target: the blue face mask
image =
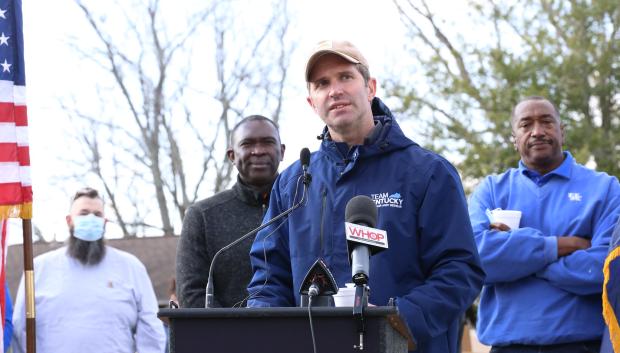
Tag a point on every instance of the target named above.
point(89, 227)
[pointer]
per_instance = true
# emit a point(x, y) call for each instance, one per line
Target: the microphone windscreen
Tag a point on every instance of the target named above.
point(361, 210)
point(304, 156)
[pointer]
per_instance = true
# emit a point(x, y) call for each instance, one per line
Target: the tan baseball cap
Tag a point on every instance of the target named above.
point(342, 48)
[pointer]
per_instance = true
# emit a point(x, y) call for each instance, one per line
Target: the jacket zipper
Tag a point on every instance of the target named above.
point(323, 201)
point(264, 203)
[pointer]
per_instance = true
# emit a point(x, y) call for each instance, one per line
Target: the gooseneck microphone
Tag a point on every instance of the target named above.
point(304, 157)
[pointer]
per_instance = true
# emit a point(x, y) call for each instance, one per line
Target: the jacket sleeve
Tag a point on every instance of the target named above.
point(448, 256)
point(193, 261)
point(615, 237)
point(272, 281)
point(507, 256)
point(149, 331)
point(581, 272)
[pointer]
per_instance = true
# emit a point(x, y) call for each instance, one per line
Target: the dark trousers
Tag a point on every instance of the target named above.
point(575, 347)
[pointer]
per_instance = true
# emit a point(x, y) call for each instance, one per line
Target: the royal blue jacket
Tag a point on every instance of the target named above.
point(431, 268)
point(530, 295)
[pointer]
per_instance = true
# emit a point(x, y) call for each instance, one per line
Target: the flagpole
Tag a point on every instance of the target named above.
point(31, 346)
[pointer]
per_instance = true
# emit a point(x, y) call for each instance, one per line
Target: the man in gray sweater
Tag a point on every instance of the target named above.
point(215, 222)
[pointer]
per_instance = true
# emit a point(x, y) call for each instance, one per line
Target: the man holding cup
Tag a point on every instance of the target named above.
point(544, 278)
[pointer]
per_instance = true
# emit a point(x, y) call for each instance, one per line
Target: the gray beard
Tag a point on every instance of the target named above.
point(87, 252)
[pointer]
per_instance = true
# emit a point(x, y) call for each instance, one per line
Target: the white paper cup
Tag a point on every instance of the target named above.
point(508, 217)
point(345, 296)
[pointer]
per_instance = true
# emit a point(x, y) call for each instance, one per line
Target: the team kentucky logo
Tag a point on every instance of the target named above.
point(384, 199)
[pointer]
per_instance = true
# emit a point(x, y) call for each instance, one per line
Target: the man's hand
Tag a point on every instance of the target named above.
point(569, 244)
point(499, 226)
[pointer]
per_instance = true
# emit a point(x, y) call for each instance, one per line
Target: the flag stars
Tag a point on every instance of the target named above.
point(4, 40)
point(6, 67)
point(2, 14)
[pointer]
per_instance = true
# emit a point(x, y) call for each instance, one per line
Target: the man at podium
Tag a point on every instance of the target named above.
point(431, 268)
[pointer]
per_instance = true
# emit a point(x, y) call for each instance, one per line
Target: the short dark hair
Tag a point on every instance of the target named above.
point(364, 71)
point(533, 98)
point(86, 192)
point(249, 118)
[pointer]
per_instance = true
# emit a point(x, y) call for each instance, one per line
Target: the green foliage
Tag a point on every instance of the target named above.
point(568, 51)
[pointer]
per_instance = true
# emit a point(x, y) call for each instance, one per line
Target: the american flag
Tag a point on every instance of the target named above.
point(15, 185)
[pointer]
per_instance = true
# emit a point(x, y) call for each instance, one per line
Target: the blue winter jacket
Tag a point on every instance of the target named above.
point(431, 268)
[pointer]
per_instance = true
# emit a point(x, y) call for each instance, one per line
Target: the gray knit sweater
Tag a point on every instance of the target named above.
point(208, 226)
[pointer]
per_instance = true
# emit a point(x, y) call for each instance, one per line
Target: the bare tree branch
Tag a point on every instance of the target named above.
point(146, 141)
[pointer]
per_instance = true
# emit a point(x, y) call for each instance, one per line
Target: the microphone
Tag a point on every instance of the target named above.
point(319, 282)
point(305, 156)
point(363, 239)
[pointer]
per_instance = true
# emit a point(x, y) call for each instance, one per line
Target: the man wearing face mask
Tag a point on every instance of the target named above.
point(90, 297)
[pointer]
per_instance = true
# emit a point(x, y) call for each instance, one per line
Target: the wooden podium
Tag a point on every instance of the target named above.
point(284, 330)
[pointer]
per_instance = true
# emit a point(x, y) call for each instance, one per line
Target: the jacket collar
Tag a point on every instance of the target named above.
point(250, 195)
point(385, 137)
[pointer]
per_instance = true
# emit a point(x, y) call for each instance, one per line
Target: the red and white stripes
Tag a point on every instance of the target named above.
point(15, 182)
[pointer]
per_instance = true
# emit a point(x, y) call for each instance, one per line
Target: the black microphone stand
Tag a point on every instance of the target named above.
point(359, 304)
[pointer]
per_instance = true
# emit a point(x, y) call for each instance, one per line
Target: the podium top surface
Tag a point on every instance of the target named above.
point(371, 311)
